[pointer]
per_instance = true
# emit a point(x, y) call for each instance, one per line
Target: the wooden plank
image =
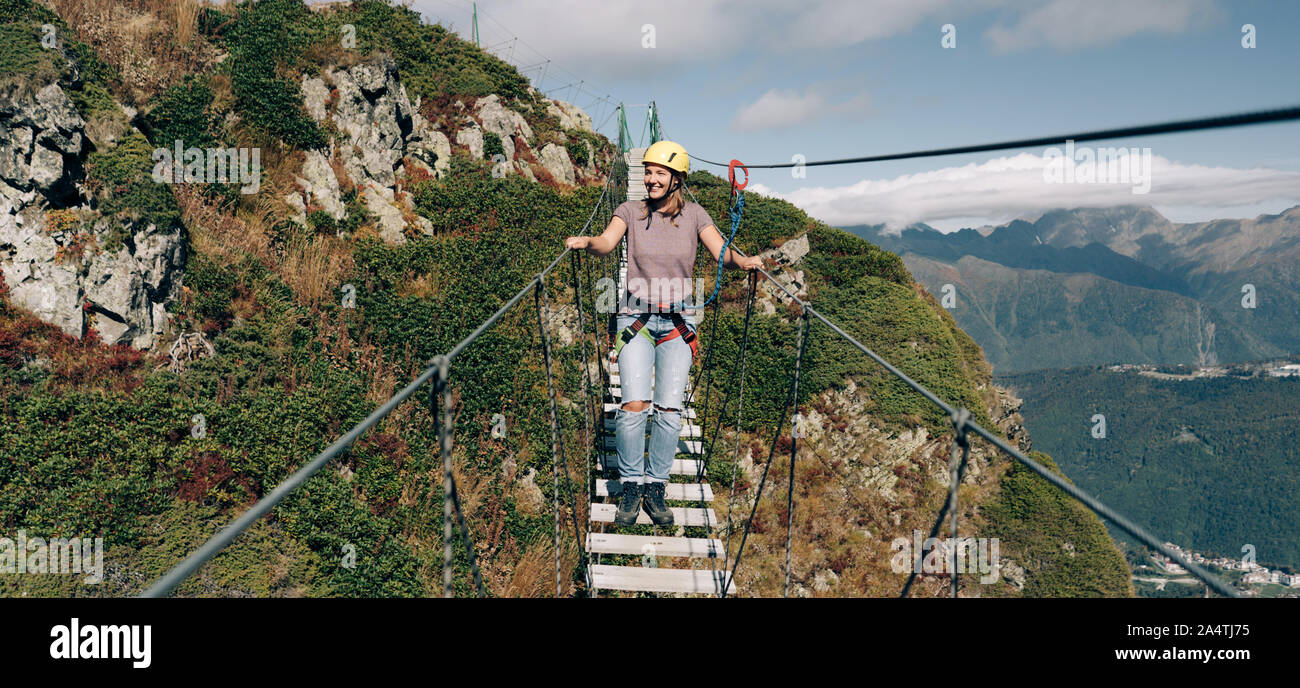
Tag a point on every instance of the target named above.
point(689, 492)
point(659, 580)
point(682, 516)
point(680, 466)
point(653, 545)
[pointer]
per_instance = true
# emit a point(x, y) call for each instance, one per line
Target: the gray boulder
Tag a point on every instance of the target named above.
point(373, 110)
point(500, 120)
point(556, 161)
point(571, 116)
point(320, 187)
point(471, 136)
point(432, 152)
point(41, 138)
point(390, 218)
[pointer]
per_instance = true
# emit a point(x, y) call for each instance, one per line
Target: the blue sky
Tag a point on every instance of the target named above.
point(764, 80)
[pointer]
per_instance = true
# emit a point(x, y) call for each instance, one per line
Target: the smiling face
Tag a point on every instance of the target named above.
point(657, 180)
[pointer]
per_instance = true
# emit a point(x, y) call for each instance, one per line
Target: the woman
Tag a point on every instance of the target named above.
point(663, 235)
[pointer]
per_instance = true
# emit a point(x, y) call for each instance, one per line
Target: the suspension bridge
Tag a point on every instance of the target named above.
point(591, 514)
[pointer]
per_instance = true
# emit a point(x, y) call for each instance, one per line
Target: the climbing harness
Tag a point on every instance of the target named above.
point(680, 329)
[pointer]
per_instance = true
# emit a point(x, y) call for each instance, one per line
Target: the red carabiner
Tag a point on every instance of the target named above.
point(731, 173)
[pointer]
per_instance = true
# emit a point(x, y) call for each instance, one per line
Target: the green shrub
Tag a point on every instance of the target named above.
point(93, 99)
point(182, 114)
point(322, 222)
point(262, 38)
point(492, 145)
point(123, 177)
point(1033, 520)
point(577, 152)
point(27, 10)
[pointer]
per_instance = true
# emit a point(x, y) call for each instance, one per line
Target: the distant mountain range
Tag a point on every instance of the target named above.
point(1090, 286)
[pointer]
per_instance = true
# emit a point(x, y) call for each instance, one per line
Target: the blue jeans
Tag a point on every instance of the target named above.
point(671, 362)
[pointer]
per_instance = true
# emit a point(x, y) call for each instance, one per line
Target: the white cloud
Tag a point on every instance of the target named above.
point(1004, 188)
point(602, 41)
point(780, 108)
point(1078, 23)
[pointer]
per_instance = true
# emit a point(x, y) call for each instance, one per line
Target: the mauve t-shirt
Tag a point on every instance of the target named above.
point(660, 256)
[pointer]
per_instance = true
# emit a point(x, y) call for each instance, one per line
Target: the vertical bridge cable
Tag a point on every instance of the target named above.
point(780, 423)
point(557, 447)
point(794, 446)
point(707, 371)
point(959, 420)
point(438, 389)
point(586, 387)
point(450, 498)
point(600, 371)
point(740, 405)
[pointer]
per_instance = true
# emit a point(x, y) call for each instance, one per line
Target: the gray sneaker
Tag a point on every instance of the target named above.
point(629, 507)
point(654, 504)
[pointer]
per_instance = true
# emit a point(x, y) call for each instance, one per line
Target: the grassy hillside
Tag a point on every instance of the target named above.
point(107, 442)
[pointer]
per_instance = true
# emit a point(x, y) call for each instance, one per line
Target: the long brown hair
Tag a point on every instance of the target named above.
point(673, 202)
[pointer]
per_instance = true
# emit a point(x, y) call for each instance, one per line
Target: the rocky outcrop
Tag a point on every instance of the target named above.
point(556, 161)
point(384, 138)
point(61, 260)
point(320, 185)
point(490, 115)
point(571, 116)
point(786, 256)
point(471, 137)
point(41, 146)
point(500, 120)
point(381, 130)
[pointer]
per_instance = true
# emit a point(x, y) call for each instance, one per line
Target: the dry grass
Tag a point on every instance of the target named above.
point(152, 43)
point(421, 287)
point(187, 14)
point(534, 572)
point(312, 268)
point(218, 233)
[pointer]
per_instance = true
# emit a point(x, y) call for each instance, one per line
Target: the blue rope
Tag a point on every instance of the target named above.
point(737, 209)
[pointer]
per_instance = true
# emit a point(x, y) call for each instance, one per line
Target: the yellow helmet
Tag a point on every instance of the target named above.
point(668, 154)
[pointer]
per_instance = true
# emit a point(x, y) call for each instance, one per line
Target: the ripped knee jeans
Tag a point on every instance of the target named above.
point(667, 366)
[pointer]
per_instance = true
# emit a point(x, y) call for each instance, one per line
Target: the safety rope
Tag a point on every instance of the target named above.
point(1237, 120)
point(794, 446)
point(737, 212)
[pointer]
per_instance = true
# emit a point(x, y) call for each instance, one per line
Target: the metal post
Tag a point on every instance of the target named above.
point(955, 469)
